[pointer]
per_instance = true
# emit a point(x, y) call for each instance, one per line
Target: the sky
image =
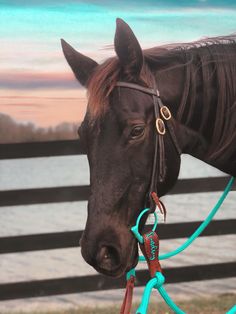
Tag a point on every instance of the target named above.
point(37, 85)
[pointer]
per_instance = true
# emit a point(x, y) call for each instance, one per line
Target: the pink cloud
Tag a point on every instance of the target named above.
point(26, 80)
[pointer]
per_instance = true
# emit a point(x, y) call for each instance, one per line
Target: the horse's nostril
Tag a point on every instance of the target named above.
point(108, 258)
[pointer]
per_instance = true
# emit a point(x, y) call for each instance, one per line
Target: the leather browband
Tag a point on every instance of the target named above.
point(143, 89)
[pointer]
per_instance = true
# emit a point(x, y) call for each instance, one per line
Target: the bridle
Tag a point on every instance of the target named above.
point(163, 118)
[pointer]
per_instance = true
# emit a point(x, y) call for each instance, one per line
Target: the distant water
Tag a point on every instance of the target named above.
point(73, 170)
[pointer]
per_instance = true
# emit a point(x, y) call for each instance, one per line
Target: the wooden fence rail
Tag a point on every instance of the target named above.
point(81, 193)
point(69, 239)
point(48, 287)
point(40, 149)
point(61, 240)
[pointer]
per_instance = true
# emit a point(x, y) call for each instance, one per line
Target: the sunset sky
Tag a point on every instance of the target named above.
point(36, 83)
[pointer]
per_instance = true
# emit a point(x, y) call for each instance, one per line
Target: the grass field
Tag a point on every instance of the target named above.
point(217, 305)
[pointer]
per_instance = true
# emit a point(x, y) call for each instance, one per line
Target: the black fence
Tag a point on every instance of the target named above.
point(59, 240)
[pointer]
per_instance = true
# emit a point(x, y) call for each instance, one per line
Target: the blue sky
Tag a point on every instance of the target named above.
point(30, 32)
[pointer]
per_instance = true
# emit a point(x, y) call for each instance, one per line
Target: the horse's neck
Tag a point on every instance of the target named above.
point(195, 135)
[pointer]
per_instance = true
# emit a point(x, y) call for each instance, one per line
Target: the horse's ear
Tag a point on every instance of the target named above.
point(128, 49)
point(81, 65)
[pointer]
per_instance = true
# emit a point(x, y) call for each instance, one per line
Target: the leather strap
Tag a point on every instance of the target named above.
point(159, 166)
point(170, 126)
point(127, 302)
point(143, 89)
point(159, 204)
point(150, 249)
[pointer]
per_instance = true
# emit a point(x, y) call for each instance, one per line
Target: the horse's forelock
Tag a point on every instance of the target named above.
point(100, 86)
point(104, 80)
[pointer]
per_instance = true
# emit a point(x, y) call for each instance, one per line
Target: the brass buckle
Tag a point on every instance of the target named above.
point(165, 113)
point(160, 126)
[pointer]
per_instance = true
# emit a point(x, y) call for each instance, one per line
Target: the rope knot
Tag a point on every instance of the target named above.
point(160, 280)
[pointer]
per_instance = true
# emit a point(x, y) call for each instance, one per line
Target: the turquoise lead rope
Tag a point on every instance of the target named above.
point(158, 281)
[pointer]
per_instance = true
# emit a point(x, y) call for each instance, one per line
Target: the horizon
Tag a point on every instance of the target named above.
point(36, 82)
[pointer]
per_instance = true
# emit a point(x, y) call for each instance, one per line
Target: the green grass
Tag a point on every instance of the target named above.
point(214, 305)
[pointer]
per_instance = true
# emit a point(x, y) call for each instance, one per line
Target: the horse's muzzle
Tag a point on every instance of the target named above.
point(106, 259)
point(111, 256)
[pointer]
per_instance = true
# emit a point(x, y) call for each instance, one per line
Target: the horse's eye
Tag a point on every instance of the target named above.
point(137, 131)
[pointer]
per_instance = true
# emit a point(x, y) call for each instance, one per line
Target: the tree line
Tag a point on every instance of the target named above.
point(14, 132)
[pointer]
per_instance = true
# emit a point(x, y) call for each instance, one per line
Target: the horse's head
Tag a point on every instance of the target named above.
point(119, 135)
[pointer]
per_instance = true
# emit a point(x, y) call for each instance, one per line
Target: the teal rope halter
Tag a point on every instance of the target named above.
point(158, 281)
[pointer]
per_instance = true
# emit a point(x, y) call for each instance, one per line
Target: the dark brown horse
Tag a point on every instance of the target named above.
point(197, 82)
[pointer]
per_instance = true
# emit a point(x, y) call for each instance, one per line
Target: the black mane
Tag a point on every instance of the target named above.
point(212, 62)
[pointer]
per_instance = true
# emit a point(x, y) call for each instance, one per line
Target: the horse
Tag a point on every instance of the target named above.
point(146, 108)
